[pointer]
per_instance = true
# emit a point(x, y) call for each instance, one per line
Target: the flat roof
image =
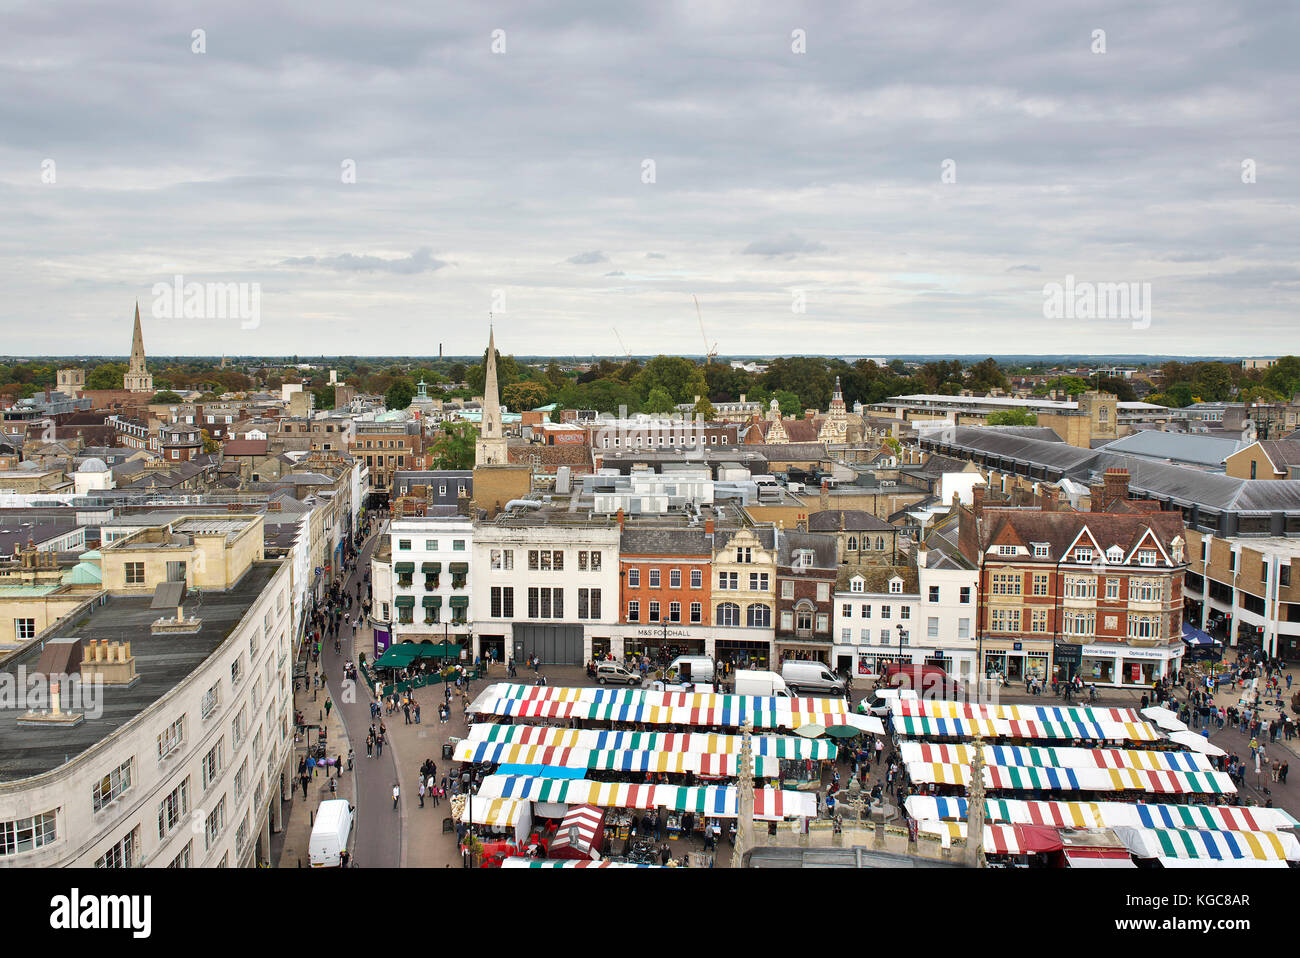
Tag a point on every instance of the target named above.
point(162, 662)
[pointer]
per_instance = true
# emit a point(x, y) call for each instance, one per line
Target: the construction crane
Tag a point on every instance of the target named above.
point(622, 346)
point(709, 352)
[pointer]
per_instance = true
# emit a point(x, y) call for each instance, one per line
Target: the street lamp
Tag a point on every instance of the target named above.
point(901, 630)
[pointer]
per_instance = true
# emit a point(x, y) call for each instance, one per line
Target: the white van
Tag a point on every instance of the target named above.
point(701, 667)
point(815, 677)
point(330, 834)
point(751, 682)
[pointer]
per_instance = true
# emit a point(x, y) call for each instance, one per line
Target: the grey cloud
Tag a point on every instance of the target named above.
point(655, 256)
point(586, 259)
point(1023, 268)
point(617, 272)
point(421, 261)
point(788, 245)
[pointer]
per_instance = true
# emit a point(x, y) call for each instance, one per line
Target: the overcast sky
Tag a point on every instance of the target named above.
point(515, 181)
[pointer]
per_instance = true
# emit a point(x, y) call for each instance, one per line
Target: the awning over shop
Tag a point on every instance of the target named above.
point(404, 601)
point(1099, 858)
point(458, 601)
point(431, 601)
point(431, 568)
point(622, 760)
point(458, 568)
point(404, 568)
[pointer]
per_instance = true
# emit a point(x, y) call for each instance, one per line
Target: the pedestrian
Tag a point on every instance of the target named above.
point(432, 787)
point(417, 713)
point(370, 745)
point(339, 762)
point(396, 792)
point(1281, 772)
point(420, 792)
point(350, 756)
point(343, 858)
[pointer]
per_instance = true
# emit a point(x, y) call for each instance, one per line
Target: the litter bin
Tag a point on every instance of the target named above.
point(446, 751)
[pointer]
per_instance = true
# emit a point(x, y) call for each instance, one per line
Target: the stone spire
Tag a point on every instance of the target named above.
point(744, 797)
point(137, 378)
point(490, 450)
point(975, 807)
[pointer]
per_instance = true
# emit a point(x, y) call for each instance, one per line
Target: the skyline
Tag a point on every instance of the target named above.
point(514, 182)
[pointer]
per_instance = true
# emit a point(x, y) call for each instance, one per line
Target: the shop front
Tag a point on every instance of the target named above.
point(652, 642)
point(744, 648)
point(1124, 666)
point(1067, 661)
point(794, 651)
point(1017, 661)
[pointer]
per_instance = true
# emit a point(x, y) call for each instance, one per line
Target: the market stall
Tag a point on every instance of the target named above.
point(1106, 814)
point(1009, 755)
point(579, 834)
point(999, 839)
point(777, 746)
point(1205, 848)
point(1024, 777)
point(544, 863)
point(716, 801)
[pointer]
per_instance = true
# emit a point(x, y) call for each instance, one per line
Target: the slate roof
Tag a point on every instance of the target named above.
point(664, 542)
point(824, 549)
point(1060, 529)
point(1177, 484)
point(1190, 448)
point(855, 520)
point(877, 578)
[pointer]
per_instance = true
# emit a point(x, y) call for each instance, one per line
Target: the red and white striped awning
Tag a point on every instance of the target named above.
point(588, 820)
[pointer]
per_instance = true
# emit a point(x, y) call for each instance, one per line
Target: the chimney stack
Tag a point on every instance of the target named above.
point(1115, 482)
point(620, 518)
point(825, 496)
point(977, 498)
point(708, 526)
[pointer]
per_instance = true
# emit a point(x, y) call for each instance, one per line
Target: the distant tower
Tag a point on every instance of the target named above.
point(490, 450)
point(835, 427)
point(137, 378)
point(744, 796)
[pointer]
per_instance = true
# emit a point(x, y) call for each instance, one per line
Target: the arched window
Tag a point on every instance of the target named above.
point(728, 614)
point(758, 616)
point(853, 543)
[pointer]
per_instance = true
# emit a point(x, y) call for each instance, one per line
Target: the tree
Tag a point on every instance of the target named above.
point(659, 401)
point(399, 394)
point(986, 375)
point(106, 376)
point(165, 396)
point(704, 409)
point(1070, 385)
point(324, 397)
point(1012, 417)
point(1118, 387)
point(524, 395)
point(210, 445)
point(680, 378)
point(454, 448)
point(456, 374)
point(554, 374)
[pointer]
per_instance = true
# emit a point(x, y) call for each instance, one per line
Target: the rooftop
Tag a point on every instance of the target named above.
point(162, 661)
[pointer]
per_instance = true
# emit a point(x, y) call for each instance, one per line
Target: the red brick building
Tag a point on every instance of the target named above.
point(664, 588)
point(1096, 593)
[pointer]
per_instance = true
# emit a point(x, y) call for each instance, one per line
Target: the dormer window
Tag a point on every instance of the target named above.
point(1006, 550)
point(1083, 554)
point(1041, 550)
point(1146, 557)
point(856, 584)
point(1114, 554)
point(895, 585)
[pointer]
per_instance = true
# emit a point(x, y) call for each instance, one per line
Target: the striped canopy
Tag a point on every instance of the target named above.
point(1074, 779)
point(626, 760)
point(1107, 814)
point(777, 746)
point(715, 801)
point(587, 819)
point(701, 709)
point(542, 863)
point(1006, 755)
point(1204, 845)
point(501, 812)
point(952, 719)
point(998, 839)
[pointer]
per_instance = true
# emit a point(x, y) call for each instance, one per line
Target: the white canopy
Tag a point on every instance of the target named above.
point(1197, 743)
point(1166, 719)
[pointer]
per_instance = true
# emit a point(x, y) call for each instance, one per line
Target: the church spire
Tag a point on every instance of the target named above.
point(137, 378)
point(491, 447)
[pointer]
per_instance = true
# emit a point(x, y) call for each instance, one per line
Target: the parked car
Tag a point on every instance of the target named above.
point(607, 672)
